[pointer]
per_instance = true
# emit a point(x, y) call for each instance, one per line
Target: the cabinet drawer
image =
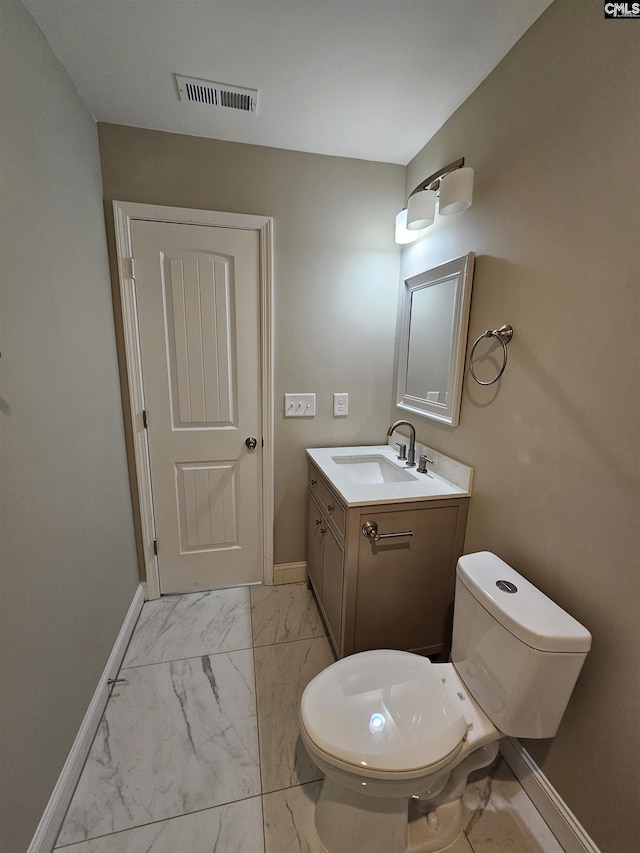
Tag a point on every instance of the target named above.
point(329, 504)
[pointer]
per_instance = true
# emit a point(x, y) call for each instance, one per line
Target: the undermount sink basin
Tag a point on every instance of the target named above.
point(372, 474)
point(371, 470)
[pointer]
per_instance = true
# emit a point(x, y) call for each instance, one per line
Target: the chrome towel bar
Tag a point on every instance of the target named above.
point(370, 530)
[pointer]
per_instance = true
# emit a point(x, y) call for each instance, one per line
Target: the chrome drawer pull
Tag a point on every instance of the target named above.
point(370, 530)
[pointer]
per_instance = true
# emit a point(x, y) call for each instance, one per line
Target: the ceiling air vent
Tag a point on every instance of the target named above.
point(196, 91)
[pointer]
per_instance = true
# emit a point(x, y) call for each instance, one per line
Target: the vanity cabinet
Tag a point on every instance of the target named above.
point(394, 593)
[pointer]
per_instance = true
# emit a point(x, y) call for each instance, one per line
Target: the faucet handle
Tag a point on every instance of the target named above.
point(403, 450)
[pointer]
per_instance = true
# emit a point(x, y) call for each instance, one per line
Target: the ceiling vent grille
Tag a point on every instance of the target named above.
point(195, 91)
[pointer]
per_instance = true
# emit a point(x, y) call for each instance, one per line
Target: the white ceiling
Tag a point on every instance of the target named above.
point(372, 79)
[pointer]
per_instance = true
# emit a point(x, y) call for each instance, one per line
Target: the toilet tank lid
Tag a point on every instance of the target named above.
point(528, 613)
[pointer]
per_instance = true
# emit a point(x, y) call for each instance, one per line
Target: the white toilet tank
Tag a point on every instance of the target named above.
point(518, 653)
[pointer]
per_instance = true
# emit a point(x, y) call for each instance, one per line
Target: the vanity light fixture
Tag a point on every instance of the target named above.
point(403, 235)
point(451, 186)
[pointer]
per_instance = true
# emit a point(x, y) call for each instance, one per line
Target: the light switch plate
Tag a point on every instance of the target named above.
point(299, 405)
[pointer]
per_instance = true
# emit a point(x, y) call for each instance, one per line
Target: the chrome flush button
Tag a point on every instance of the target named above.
point(506, 586)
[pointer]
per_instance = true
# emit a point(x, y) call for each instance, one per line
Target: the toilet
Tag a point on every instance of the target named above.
point(396, 736)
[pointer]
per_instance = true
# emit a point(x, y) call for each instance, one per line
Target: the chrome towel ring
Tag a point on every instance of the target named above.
point(504, 335)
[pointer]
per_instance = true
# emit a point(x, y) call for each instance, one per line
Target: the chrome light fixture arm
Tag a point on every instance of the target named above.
point(433, 181)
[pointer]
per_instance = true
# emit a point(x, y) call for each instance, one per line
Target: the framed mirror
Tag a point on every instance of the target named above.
point(432, 339)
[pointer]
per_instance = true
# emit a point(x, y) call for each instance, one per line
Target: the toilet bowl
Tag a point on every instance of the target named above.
point(386, 726)
point(396, 736)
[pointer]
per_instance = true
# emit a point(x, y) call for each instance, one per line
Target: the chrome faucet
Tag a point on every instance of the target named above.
point(411, 452)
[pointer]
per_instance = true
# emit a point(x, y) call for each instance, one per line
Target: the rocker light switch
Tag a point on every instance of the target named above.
point(299, 405)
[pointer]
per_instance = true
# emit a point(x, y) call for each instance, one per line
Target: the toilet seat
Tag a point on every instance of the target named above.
point(383, 712)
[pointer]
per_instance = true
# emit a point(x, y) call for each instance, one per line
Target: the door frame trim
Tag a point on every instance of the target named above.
point(124, 213)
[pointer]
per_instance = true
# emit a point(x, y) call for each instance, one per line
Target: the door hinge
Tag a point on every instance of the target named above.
point(133, 268)
point(144, 418)
point(263, 442)
point(155, 547)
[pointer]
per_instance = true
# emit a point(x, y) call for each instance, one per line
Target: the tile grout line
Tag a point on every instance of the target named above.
point(214, 654)
point(292, 640)
point(154, 822)
point(188, 657)
point(255, 689)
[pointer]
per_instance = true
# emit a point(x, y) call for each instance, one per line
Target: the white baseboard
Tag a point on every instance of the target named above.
point(289, 572)
point(556, 814)
point(53, 816)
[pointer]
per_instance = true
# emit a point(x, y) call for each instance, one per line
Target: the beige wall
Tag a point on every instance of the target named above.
point(335, 278)
point(68, 556)
point(553, 136)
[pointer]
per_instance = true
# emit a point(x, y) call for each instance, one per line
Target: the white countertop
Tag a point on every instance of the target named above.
point(420, 487)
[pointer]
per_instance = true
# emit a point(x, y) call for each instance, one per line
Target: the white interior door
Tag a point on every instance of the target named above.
point(198, 304)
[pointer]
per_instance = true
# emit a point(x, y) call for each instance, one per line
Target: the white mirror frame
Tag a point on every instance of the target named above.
point(459, 270)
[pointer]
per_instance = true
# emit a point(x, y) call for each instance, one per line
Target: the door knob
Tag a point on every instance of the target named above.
point(251, 443)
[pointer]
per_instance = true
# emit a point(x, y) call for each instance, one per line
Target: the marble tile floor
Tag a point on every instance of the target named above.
point(199, 749)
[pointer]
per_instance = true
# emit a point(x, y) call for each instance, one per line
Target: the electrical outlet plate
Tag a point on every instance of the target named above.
point(340, 404)
point(299, 405)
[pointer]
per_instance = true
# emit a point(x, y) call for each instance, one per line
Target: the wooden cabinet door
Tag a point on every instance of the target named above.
point(315, 526)
point(405, 589)
point(332, 577)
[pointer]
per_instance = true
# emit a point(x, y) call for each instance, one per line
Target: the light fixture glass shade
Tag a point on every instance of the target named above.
point(402, 234)
point(456, 191)
point(421, 210)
